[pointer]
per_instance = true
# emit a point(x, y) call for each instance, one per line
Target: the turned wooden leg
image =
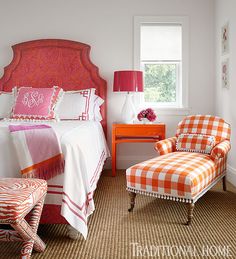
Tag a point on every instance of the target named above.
point(190, 213)
point(132, 196)
point(224, 183)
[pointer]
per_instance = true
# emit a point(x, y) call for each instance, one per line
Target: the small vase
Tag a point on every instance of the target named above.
point(146, 121)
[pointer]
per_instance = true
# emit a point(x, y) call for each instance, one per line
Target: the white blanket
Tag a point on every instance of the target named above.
point(85, 150)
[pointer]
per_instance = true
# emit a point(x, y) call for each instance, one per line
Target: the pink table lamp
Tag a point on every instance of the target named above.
point(128, 81)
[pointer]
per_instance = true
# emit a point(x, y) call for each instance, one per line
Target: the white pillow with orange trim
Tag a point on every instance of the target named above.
point(195, 143)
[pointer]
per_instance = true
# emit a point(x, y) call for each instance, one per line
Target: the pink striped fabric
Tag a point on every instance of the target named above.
point(41, 144)
point(18, 196)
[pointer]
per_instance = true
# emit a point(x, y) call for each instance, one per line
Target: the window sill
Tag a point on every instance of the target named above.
point(171, 110)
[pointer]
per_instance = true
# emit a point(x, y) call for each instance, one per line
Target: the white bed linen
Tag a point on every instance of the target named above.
point(85, 150)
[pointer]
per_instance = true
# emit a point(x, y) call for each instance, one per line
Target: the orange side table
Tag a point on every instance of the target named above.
point(124, 133)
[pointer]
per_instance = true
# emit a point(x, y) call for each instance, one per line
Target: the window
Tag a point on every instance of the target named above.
point(161, 51)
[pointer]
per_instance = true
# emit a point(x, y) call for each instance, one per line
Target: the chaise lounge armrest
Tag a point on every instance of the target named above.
point(166, 146)
point(221, 149)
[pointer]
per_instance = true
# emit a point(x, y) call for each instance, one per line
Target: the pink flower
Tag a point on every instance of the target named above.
point(147, 113)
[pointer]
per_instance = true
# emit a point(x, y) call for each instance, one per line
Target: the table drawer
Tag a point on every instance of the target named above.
point(139, 131)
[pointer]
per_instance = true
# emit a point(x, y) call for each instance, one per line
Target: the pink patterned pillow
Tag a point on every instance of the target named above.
point(36, 103)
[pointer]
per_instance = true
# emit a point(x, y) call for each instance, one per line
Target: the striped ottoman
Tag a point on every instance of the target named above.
point(18, 197)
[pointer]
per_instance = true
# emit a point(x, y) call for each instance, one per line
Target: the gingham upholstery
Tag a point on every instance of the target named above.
point(206, 125)
point(220, 150)
point(195, 143)
point(166, 146)
point(183, 176)
point(18, 196)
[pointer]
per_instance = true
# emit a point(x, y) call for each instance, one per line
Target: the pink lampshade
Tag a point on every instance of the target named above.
point(128, 81)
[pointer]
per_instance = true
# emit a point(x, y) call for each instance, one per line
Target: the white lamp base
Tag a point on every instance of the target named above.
point(128, 110)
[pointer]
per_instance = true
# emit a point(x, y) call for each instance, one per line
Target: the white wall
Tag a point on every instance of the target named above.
point(107, 25)
point(226, 98)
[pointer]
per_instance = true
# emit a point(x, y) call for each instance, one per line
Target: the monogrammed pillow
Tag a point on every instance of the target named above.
point(195, 143)
point(36, 103)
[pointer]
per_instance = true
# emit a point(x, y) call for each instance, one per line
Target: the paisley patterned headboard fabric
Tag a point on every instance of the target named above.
point(48, 62)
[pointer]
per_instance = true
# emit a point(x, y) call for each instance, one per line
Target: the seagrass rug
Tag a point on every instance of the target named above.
point(155, 229)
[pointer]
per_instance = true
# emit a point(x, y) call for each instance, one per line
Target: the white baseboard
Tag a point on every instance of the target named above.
point(134, 158)
point(124, 162)
point(231, 175)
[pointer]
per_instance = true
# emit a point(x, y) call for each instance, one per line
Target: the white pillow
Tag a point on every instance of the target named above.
point(6, 103)
point(73, 105)
point(98, 101)
point(77, 105)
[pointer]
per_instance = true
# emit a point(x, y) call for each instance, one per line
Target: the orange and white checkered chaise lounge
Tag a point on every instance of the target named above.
point(184, 175)
point(18, 197)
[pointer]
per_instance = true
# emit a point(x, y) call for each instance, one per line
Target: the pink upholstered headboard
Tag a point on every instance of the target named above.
point(48, 62)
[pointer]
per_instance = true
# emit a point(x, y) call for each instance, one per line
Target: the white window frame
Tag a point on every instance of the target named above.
point(181, 108)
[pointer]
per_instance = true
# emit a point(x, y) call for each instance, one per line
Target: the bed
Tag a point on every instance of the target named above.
point(45, 63)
